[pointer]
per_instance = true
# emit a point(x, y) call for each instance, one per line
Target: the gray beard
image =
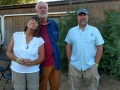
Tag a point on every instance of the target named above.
point(83, 24)
point(43, 15)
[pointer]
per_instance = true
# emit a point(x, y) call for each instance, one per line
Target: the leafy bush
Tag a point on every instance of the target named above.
point(110, 29)
point(65, 24)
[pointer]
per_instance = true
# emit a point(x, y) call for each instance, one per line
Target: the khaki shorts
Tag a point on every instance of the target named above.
point(90, 77)
point(21, 81)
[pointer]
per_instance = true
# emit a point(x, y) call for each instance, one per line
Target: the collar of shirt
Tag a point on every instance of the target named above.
point(86, 28)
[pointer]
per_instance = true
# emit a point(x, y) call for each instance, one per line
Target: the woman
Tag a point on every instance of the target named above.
point(26, 50)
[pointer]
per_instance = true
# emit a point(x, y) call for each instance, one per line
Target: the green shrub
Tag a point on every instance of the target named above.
point(110, 29)
point(65, 24)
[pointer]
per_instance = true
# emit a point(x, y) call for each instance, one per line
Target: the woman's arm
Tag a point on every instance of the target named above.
point(10, 54)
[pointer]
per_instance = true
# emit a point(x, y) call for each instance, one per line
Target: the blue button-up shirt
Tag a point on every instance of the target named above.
point(83, 46)
point(52, 28)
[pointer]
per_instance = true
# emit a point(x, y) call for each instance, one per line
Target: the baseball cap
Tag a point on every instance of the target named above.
point(83, 11)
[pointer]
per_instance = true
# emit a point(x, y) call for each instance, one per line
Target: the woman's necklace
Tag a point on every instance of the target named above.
point(28, 40)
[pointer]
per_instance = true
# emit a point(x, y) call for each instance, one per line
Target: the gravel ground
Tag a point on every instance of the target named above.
point(106, 83)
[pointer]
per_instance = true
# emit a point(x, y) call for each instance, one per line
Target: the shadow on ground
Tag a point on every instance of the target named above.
point(106, 83)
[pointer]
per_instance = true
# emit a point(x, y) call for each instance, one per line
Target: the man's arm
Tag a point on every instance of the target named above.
point(99, 53)
point(68, 51)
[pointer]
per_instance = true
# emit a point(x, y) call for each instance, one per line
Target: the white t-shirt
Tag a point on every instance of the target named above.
point(20, 50)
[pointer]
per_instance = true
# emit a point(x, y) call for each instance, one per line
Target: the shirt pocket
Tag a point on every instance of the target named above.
point(55, 35)
point(89, 39)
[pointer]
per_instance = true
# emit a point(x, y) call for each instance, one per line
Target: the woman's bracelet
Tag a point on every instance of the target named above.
point(17, 59)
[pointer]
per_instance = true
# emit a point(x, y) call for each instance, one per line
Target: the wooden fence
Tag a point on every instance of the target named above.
point(17, 23)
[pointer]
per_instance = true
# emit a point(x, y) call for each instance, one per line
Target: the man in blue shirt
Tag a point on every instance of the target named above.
point(51, 65)
point(84, 50)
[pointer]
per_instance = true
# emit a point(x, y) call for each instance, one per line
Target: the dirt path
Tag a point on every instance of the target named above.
point(106, 83)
